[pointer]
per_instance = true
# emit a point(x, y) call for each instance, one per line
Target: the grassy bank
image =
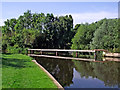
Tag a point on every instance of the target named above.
point(18, 71)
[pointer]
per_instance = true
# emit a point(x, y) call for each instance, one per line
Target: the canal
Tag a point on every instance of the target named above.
point(83, 74)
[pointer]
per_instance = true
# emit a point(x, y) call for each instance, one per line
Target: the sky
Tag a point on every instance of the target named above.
point(81, 11)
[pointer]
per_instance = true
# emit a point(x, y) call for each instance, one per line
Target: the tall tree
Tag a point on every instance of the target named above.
point(105, 36)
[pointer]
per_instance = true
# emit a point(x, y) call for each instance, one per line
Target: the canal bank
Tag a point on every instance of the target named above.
point(50, 76)
point(18, 71)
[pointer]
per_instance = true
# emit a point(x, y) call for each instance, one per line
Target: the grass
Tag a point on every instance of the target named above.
point(18, 71)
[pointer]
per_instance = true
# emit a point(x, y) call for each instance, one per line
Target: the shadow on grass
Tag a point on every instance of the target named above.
point(16, 63)
point(6, 53)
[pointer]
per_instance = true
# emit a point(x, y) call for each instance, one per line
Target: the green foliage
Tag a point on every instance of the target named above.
point(79, 38)
point(84, 36)
point(103, 34)
point(37, 31)
point(16, 49)
point(105, 37)
point(33, 30)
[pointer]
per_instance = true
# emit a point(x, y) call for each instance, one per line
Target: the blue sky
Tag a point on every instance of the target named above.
point(81, 11)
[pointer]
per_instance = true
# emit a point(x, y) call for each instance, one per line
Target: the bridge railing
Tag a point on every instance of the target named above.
point(67, 50)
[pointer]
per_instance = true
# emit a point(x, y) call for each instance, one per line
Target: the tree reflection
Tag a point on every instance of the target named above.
point(107, 71)
point(62, 70)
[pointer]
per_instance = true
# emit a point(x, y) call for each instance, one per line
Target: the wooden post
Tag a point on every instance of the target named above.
point(56, 53)
point(95, 55)
point(76, 54)
point(41, 52)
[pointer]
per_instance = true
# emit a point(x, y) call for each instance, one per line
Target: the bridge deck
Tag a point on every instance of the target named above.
point(32, 53)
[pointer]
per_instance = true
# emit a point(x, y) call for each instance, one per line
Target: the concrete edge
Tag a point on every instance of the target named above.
point(50, 76)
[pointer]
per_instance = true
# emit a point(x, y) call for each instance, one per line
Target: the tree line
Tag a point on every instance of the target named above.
point(33, 30)
point(37, 30)
point(104, 34)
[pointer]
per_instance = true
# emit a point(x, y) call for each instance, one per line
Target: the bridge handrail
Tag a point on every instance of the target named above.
point(62, 50)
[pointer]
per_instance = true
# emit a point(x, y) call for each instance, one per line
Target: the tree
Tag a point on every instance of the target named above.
point(82, 38)
point(105, 36)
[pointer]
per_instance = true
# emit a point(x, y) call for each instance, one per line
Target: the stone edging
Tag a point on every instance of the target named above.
point(52, 78)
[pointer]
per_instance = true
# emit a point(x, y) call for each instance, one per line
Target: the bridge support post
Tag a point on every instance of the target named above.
point(76, 54)
point(30, 51)
point(56, 53)
point(95, 55)
point(41, 52)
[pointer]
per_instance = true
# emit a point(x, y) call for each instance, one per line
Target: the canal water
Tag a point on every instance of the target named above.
point(83, 74)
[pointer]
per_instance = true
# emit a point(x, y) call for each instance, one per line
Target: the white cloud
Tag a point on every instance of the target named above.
point(90, 17)
point(2, 22)
point(83, 17)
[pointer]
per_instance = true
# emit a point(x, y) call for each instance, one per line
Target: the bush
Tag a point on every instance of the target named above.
point(117, 50)
point(15, 49)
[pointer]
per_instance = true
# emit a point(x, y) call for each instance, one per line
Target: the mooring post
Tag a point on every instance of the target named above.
point(56, 53)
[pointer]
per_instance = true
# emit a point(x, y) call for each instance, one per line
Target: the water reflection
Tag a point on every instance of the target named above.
point(108, 72)
point(62, 70)
point(81, 74)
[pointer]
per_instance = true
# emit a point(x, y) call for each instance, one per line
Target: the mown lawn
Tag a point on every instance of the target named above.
point(18, 71)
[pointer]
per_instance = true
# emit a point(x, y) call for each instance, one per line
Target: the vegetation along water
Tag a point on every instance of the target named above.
point(47, 31)
point(37, 30)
